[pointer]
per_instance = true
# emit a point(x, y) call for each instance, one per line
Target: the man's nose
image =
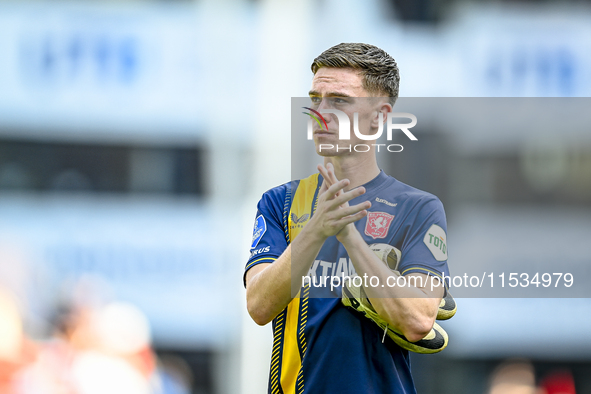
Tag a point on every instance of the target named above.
point(325, 104)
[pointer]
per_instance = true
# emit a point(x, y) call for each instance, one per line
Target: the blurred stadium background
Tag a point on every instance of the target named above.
point(137, 136)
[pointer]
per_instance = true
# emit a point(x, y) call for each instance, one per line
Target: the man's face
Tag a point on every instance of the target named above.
point(342, 89)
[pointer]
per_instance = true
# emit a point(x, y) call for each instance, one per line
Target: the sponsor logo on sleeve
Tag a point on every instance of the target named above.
point(378, 224)
point(260, 226)
point(259, 251)
point(436, 241)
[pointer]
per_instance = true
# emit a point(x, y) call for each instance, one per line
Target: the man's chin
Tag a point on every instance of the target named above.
point(327, 152)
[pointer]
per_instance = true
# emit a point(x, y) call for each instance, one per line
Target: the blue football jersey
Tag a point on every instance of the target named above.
point(319, 345)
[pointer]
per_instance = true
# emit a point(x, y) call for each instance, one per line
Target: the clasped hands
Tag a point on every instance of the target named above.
point(334, 215)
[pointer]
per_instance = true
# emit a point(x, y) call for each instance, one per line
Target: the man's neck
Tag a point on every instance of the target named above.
point(358, 169)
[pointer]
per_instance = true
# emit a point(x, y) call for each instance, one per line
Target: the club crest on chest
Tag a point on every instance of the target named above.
point(378, 224)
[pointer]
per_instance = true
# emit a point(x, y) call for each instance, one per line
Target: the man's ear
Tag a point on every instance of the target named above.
point(385, 108)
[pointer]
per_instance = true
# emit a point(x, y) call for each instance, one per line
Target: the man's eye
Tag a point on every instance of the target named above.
point(339, 101)
point(315, 100)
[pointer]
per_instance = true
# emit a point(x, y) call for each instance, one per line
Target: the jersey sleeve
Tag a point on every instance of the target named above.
point(268, 237)
point(424, 248)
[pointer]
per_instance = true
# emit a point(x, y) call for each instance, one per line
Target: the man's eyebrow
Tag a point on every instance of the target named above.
point(313, 93)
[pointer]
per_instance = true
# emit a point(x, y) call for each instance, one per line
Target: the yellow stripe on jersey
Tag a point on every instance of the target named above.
point(303, 203)
point(291, 362)
point(434, 273)
point(276, 354)
point(301, 336)
point(255, 262)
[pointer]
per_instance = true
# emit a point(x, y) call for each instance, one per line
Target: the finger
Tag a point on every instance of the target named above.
point(320, 167)
point(334, 189)
point(329, 166)
point(328, 179)
point(331, 174)
point(354, 209)
point(324, 172)
point(347, 211)
point(347, 196)
point(323, 187)
point(352, 218)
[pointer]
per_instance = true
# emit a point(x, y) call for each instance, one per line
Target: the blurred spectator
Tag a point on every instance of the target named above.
point(96, 347)
point(513, 377)
point(15, 350)
point(94, 350)
point(559, 382)
point(114, 354)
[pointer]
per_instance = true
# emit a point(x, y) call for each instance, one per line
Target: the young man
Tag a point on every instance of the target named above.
point(322, 225)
